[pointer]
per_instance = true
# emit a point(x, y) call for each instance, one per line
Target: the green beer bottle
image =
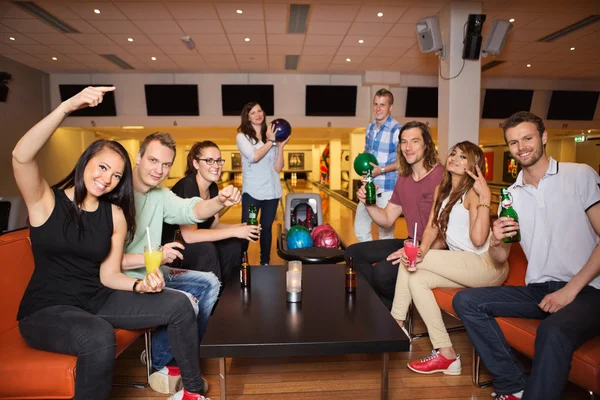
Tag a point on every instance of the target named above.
point(508, 211)
point(371, 197)
point(252, 215)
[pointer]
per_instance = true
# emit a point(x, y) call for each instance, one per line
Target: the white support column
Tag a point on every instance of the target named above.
point(460, 88)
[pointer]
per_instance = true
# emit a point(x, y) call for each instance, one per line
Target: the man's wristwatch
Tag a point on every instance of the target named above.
point(273, 142)
point(382, 171)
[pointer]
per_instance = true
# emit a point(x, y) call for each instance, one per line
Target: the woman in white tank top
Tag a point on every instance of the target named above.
point(460, 223)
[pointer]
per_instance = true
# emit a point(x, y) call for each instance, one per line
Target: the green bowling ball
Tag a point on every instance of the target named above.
point(362, 163)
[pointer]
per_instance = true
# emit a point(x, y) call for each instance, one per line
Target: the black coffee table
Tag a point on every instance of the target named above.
point(260, 323)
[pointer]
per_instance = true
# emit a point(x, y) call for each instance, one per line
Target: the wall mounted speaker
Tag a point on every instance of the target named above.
point(496, 38)
point(429, 35)
point(472, 42)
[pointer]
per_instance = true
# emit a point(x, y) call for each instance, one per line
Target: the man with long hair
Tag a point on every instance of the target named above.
point(155, 205)
point(382, 142)
point(420, 172)
point(559, 220)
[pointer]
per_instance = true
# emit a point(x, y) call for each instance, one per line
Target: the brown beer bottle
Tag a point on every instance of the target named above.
point(176, 263)
point(245, 270)
point(350, 276)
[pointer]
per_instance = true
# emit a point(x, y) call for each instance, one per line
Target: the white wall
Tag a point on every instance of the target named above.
point(24, 108)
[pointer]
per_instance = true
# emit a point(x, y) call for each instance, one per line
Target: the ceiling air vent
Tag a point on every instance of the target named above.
point(298, 18)
point(291, 62)
point(45, 16)
point(491, 65)
point(117, 61)
point(571, 28)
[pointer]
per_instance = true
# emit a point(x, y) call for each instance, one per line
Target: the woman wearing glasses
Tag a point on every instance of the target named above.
point(262, 161)
point(212, 244)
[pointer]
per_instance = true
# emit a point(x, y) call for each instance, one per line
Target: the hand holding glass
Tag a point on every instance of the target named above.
point(411, 250)
point(152, 258)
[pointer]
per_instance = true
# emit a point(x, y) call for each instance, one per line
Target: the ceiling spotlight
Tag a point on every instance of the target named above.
point(247, 39)
point(511, 20)
point(12, 38)
point(54, 58)
point(361, 41)
point(188, 42)
point(348, 60)
point(96, 11)
point(528, 65)
point(130, 39)
point(380, 15)
point(572, 48)
point(239, 11)
point(153, 58)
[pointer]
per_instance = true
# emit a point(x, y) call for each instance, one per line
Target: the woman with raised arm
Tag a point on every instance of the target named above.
point(212, 244)
point(77, 294)
point(460, 221)
point(262, 161)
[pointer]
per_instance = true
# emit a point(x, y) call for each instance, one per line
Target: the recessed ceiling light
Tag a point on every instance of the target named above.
point(54, 58)
point(153, 58)
point(572, 48)
point(239, 11)
point(511, 20)
point(247, 39)
point(130, 39)
point(96, 11)
point(361, 41)
point(380, 15)
point(348, 60)
point(528, 65)
point(12, 38)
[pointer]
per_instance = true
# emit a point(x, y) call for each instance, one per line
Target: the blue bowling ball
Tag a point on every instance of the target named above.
point(282, 129)
point(299, 239)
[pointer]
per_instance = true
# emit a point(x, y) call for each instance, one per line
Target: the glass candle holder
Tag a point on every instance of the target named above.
point(295, 266)
point(293, 283)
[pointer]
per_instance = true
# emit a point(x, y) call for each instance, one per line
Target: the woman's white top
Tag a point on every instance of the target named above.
point(457, 233)
point(259, 179)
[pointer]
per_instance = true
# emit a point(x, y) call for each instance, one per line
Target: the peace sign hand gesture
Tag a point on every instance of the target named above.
point(480, 186)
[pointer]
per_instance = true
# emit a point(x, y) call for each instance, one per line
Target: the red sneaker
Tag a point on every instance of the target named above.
point(436, 362)
point(185, 395)
point(508, 397)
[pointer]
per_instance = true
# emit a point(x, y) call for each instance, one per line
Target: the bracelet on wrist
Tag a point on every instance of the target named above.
point(484, 205)
point(135, 285)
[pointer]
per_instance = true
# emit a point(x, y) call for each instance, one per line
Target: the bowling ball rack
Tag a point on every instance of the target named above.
point(311, 255)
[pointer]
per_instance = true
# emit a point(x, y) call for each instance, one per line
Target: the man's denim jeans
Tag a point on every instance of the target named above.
point(202, 288)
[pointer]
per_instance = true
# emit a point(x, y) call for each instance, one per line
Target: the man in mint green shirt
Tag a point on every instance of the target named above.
point(155, 205)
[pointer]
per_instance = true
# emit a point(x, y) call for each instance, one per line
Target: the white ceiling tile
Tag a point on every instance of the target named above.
point(200, 26)
point(276, 27)
point(249, 49)
point(368, 41)
point(413, 14)
point(284, 50)
point(158, 26)
point(388, 52)
point(276, 12)
point(390, 14)
point(414, 52)
point(354, 51)
point(323, 40)
point(24, 58)
point(251, 58)
point(86, 10)
point(219, 58)
point(319, 50)
point(90, 38)
point(71, 49)
point(255, 39)
point(192, 10)
point(35, 49)
point(81, 25)
point(179, 49)
point(277, 63)
point(8, 10)
point(369, 28)
point(331, 13)
point(555, 22)
point(115, 26)
point(206, 50)
point(290, 39)
point(244, 27)
point(328, 28)
point(145, 49)
point(60, 59)
point(53, 38)
point(211, 39)
point(28, 26)
point(404, 30)
point(537, 47)
point(106, 48)
point(528, 35)
point(398, 42)
point(186, 59)
point(5, 29)
point(4, 49)
point(319, 68)
point(340, 58)
point(19, 39)
point(165, 39)
point(58, 9)
point(250, 10)
point(122, 39)
point(378, 61)
point(324, 59)
point(144, 10)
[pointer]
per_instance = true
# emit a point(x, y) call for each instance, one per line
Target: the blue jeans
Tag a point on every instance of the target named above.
point(268, 210)
point(557, 337)
point(202, 289)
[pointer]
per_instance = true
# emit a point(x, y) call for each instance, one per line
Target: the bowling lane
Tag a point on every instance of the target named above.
point(335, 213)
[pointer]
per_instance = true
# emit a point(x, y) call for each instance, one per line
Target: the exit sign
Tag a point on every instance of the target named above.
point(579, 139)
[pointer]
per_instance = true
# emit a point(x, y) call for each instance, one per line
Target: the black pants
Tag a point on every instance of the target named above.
point(71, 330)
point(370, 261)
point(220, 257)
point(268, 210)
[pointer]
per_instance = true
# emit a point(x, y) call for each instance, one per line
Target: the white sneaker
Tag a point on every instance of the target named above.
point(165, 381)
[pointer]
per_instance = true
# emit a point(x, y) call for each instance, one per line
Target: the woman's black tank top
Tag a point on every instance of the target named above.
point(67, 263)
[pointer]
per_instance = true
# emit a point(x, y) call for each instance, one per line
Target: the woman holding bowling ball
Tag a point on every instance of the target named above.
point(262, 161)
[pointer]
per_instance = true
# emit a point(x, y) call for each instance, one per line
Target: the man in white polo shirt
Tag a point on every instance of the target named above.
point(559, 218)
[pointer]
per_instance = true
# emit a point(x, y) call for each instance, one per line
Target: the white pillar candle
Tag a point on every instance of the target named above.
point(293, 281)
point(295, 266)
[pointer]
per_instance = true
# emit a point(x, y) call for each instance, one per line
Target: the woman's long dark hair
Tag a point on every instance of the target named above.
point(246, 126)
point(121, 195)
point(196, 152)
point(474, 157)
